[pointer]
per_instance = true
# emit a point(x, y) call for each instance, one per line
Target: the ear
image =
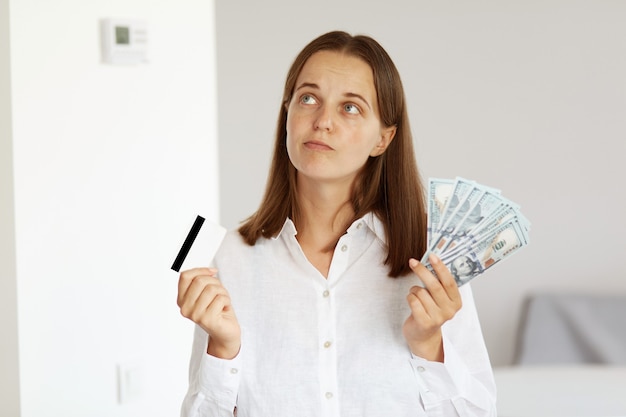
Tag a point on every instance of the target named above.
point(386, 136)
point(286, 103)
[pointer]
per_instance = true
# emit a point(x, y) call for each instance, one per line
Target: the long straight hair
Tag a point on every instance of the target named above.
point(388, 185)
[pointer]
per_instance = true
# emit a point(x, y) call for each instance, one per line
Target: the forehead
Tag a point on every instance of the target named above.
point(346, 70)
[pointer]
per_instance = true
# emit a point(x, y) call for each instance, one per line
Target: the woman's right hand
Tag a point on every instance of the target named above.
point(203, 299)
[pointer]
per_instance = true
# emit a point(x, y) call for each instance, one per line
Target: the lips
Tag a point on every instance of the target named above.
point(317, 145)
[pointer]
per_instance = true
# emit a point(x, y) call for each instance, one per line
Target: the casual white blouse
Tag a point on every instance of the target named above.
point(330, 347)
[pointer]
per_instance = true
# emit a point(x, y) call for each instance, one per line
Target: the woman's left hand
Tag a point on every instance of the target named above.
point(430, 307)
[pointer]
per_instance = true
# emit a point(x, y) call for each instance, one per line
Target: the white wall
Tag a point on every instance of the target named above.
point(526, 96)
point(111, 166)
point(9, 366)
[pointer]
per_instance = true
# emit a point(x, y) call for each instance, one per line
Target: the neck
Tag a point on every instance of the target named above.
point(325, 213)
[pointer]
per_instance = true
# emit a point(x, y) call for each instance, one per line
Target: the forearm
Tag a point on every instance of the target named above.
point(463, 383)
point(213, 382)
point(442, 395)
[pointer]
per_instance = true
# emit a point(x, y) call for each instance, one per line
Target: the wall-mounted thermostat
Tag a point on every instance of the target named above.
point(124, 41)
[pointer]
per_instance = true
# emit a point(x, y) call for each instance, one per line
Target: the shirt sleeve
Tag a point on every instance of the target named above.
point(213, 382)
point(463, 385)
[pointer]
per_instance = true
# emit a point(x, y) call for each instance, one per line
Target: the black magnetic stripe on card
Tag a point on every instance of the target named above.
point(191, 237)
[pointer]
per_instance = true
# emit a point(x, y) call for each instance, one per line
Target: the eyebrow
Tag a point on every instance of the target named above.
point(317, 87)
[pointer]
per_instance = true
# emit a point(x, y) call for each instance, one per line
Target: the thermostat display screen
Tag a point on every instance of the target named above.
point(122, 35)
point(124, 41)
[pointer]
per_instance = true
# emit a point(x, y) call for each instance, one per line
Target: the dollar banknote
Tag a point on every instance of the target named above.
point(471, 227)
point(439, 190)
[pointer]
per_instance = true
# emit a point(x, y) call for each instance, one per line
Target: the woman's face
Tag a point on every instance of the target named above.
point(333, 123)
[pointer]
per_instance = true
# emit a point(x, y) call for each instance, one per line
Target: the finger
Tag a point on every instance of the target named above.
point(197, 287)
point(415, 304)
point(188, 276)
point(189, 300)
point(435, 311)
point(430, 280)
point(442, 299)
point(445, 278)
point(219, 304)
point(205, 298)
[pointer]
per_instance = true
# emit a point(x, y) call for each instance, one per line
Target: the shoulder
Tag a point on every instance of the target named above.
point(232, 242)
point(235, 249)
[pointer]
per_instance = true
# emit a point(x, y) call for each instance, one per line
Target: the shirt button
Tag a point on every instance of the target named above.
point(326, 293)
point(327, 344)
point(234, 370)
point(358, 226)
point(421, 369)
point(344, 248)
point(329, 395)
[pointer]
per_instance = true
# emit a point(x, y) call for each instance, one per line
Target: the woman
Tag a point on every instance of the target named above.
point(317, 308)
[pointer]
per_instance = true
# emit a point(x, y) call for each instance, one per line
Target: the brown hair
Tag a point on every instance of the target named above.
point(389, 184)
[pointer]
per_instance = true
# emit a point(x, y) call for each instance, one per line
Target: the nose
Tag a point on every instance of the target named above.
point(324, 119)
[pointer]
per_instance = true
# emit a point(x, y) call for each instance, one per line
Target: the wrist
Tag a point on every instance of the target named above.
point(430, 349)
point(221, 350)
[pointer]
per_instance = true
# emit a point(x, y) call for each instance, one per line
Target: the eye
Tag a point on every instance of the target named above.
point(307, 99)
point(351, 108)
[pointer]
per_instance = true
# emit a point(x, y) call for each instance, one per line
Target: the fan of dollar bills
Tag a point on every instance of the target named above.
point(471, 227)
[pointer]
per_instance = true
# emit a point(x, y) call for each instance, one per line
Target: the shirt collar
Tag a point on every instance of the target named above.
point(374, 223)
point(370, 220)
point(288, 229)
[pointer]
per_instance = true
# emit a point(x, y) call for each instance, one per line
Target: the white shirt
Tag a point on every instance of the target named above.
point(330, 347)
